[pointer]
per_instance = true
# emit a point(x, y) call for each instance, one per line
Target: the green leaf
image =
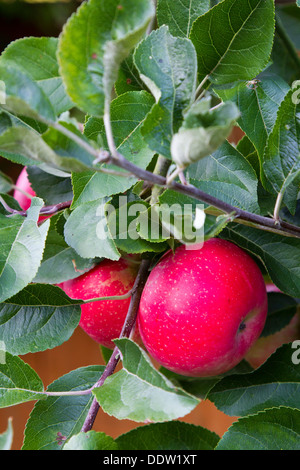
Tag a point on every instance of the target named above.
point(71, 155)
point(281, 160)
point(19, 383)
point(23, 96)
point(60, 262)
point(212, 225)
point(55, 419)
point(289, 15)
point(276, 429)
point(39, 317)
point(203, 131)
point(36, 57)
point(125, 225)
point(280, 255)
point(106, 353)
point(174, 435)
point(242, 50)
point(150, 228)
point(94, 43)
point(273, 384)
point(281, 309)
point(86, 231)
point(200, 386)
point(266, 200)
point(128, 79)
point(91, 440)
point(5, 121)
point(291, 218)
point(128, 113)
point(181, 222)
point(168, 66)
point(90, 186)
point(258, 102)
point(26, 147)
point(180, 16)
point(5, 183)
point(8, 121)
point(11, 202)
point(6, 438)
point(192, 210)
point(51, 188)
point(22, 244)
point(282, 62)
point(139, 392)
point(227, 175)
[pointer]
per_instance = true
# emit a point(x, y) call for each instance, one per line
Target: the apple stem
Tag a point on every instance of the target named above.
point(7, 208)
point(128, 326)
point(161, 168)
point(108, 130)
point(126, 332)
point(199, 91)
point(173, 176)
point(277, 207)
point(112, 297)
point(46, 210)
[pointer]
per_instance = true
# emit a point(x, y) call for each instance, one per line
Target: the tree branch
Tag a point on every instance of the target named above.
point(46, 210)
point(125, 333)
point(277, 226)
point(265, 223)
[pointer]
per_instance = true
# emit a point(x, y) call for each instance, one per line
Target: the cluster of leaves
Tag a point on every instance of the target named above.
point(183, 70)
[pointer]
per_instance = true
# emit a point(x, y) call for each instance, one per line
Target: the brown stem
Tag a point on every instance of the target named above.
point(279, 226)
point(46, 210)
point(125, 333)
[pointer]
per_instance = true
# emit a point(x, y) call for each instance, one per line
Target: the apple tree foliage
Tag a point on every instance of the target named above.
point(92, 114)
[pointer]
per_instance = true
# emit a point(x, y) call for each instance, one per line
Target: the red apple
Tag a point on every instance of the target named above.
point(103, 320)
point(24, 185)
point(201, 310)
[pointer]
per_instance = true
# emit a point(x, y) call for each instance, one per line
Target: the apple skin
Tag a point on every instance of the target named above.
point(201, 310)
point(264, 347)
point(103, 320)
point(23, 200)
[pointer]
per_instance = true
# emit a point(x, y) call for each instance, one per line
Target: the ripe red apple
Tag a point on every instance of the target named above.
point(201, 310)
point(264, 347)
point(24, 185)
point(103, 320)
